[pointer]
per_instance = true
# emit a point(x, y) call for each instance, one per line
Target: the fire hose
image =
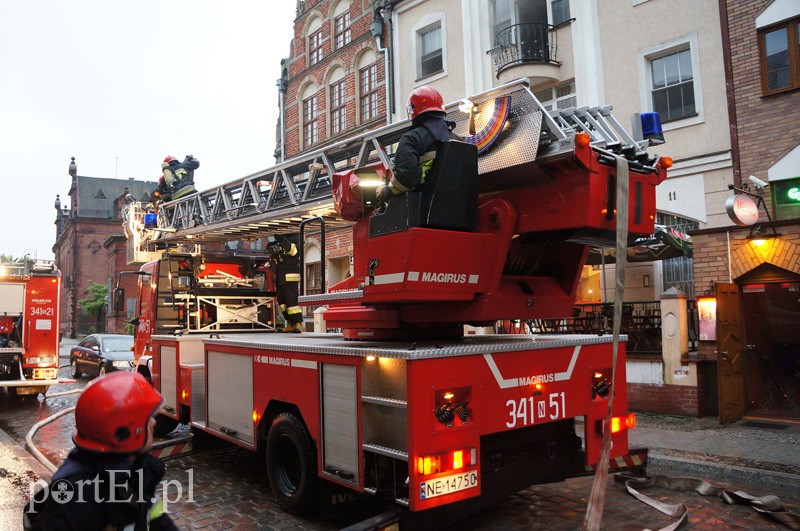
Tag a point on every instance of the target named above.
point(597, 496)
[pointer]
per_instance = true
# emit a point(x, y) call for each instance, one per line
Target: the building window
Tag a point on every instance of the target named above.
point(315, 47)
point(338, 109)
point(780, 57)
point(368, 82)
point(313, 278)
point(560, 97)
point(560, 11)
point(430, 50)
point(310, 135)
point(673, 85)
point(342, 30)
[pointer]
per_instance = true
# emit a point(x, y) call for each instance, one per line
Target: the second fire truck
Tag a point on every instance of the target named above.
point(29, 325)
point(400, 405)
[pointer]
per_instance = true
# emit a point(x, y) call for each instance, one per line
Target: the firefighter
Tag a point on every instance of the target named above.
point(109, 480)
point(184, 173)
point(178, 177)
point(417, 147)
point(284, 263)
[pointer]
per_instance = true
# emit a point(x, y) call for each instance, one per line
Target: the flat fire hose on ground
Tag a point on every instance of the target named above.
point(597, 497)
point(768, 505)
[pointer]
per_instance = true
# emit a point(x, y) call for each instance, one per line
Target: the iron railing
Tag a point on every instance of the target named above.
point(641, 321)
point(529, 42)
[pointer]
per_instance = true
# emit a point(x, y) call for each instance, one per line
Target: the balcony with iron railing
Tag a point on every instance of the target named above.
point(526, 50)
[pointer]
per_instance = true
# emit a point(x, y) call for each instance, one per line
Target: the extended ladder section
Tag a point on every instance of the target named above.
point(508, 124)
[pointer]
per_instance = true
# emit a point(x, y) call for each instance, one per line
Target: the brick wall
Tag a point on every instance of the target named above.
point(764, 123)
point(669, 399)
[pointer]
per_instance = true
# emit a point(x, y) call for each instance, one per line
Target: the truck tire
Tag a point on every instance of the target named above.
point(164, 425)
point(292, 465)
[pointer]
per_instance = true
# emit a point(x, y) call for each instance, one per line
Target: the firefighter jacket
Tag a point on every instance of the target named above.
point(416, 150)
point(284, 262)
point(102, 491)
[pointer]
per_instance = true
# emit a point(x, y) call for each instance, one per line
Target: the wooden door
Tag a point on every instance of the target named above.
point(730, 354)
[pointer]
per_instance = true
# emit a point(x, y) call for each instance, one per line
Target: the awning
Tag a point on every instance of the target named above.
point(665, 242)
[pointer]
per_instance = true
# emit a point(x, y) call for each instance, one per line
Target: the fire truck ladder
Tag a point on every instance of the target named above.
point(508, 124)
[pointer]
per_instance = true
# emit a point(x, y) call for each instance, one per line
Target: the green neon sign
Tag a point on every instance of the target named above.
point(787, 192)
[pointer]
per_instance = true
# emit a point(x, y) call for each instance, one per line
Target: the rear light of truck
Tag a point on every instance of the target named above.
point(45, 374)
point(618, 424)
point(447, 462)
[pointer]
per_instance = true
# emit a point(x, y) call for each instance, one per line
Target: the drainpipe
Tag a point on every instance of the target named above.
point(377, 31)
point(730, 92)
point(281, 83)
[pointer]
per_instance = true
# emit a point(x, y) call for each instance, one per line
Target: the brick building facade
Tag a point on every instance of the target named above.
point(332, 87)
point(753, 272)
point(90, 246)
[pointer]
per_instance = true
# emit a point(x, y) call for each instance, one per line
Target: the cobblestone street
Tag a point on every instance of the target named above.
point(230, 489)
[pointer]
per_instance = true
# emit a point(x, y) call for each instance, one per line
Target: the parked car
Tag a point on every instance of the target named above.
point(98, 354)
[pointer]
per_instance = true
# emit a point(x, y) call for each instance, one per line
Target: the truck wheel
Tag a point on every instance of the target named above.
point(292, 465)
point(73, 369)
point(164, 425)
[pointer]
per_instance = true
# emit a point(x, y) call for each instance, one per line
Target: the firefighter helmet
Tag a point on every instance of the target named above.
point(424, 99)
point(113, 412)
point(168, 160)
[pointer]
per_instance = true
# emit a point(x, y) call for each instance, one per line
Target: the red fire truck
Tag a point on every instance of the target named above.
point(401, 404)
point(29, 325)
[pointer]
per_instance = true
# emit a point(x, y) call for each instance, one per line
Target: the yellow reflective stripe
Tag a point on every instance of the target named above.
point(426, 167)
point(294, 309)
point(292, 251)
point(292, 277)
point(157, 510)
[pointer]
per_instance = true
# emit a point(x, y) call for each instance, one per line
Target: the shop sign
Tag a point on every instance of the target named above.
point(742, 210)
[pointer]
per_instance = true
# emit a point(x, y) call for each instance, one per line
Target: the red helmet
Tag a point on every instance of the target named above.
point(112, 413)
point(169, 159)
point(424, 99)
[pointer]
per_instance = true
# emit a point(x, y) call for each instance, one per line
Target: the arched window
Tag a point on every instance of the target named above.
point(314, 41)
point(367, 86)
point(341, 24)
point(337, 100)
point(309, 116)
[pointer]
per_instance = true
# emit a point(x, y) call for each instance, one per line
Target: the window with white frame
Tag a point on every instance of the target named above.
point(429, 44)
point(315, 47)
point(342, 30)
point(338, 107)
point(368, 84)
point(558, 97)
point(672, 85)
point(310, 133)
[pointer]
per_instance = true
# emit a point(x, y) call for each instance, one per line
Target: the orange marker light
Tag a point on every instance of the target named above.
point(616, 424)
point(630, 421)
point(582, 139)
point(458, 459)
point(256, 416)
point(665, 162)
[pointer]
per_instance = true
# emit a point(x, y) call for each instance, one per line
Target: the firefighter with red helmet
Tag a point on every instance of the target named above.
point(417, 147)
point(109, 480)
